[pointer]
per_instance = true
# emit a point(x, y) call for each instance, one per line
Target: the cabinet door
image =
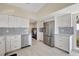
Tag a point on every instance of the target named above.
point(12, 21)
point(21, 22)
point(8, 49)
point(3, 20)
point(15, 42)
point(26, 23)
point(62, 42)
point(15, 21)
point(2, 46)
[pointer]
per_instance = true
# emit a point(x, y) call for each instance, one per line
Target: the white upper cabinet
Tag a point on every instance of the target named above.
point(17, 22)
point(12, 21)
point(3, 20)
point(20, 22)
point(65, 20)
point(26, 22)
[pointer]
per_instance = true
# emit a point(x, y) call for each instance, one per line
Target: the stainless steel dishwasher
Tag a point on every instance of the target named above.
point(24, 40)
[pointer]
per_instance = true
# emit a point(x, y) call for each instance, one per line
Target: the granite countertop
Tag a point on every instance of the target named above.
point(59, 34)
point(13, 31)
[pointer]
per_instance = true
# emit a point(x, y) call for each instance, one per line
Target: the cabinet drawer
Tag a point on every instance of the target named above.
point(2, 45)
point(62, 45)
point(62, 42)
point(17, 46)
point(63, 38)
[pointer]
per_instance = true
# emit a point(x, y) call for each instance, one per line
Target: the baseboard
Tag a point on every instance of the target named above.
point(62, 50)
point(25, 46)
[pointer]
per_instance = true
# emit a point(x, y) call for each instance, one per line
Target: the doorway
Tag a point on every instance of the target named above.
point(34, 33)
point(33, 27)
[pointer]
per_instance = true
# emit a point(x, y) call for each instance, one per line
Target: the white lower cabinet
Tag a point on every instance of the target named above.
point(8, 43)
point(2, 45)
point(64, 43)
point(13, 43)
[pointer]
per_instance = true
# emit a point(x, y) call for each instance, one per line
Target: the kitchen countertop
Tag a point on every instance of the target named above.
point(59, 34)
point(13, 34)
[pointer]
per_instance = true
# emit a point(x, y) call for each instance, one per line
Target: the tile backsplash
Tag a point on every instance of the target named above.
point(11, 31)
point(65, 30)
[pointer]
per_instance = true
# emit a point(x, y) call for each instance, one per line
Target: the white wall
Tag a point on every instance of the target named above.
point(32, 25)
point(39, 34)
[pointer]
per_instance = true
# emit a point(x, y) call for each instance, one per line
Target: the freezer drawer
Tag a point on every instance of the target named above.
point(49, 40)
point(46, 40)
point(52, 41)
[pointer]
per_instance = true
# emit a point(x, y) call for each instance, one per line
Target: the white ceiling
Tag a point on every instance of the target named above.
point(35, 7)
point(32, 7)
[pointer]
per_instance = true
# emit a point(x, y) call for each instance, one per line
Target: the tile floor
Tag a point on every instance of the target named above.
point(40, 49)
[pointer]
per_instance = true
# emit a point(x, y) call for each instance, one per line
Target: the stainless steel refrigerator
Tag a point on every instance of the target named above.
point(49, 30)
